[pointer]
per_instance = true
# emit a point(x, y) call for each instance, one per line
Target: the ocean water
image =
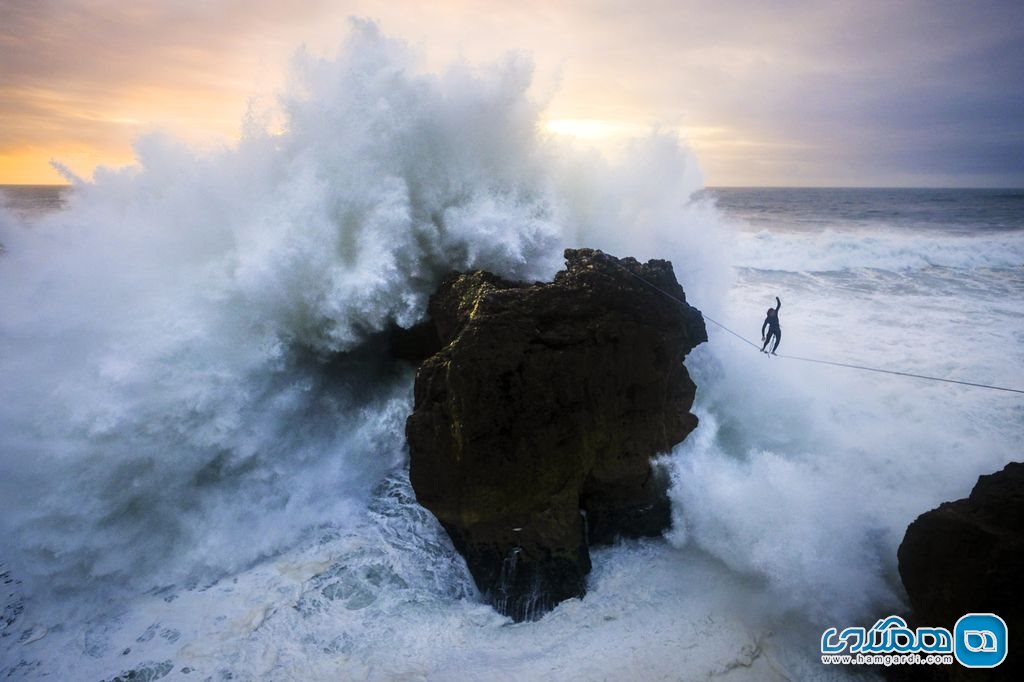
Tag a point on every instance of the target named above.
point(201, 443)
point(31, 202)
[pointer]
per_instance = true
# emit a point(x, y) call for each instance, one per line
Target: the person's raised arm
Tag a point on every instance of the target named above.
point(778, 305)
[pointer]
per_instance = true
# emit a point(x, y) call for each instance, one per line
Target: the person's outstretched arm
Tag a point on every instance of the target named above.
point(778, 305)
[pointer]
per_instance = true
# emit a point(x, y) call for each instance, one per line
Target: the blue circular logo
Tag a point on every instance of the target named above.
point(980, 640)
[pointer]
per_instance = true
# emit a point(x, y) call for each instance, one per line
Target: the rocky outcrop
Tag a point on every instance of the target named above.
point(535, 425)
point(965, 557)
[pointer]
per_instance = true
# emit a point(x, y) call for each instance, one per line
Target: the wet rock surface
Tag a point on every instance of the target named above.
point(966, 557)
point(535, 424)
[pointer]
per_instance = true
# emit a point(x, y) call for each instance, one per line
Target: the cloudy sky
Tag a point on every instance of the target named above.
point(768, 92)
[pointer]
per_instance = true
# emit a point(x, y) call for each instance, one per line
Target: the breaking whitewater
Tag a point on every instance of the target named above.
point(195, 486)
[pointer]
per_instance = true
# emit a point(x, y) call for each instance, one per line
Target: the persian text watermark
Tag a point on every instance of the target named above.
point(978, 640)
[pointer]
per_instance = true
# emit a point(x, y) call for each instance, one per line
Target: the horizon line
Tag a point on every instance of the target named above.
point(989, 187)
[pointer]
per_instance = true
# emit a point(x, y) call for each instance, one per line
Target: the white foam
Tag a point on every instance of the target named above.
point(807, 475)
point(895, 250)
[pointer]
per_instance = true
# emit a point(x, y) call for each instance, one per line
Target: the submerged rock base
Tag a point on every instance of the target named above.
point(535, 424)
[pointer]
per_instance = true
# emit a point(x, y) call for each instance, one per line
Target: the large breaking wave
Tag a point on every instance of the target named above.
point(191, 377)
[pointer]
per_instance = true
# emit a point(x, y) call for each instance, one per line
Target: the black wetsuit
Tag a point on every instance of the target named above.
point(771, 323)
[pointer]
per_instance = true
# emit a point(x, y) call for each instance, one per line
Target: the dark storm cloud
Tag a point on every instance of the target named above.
point(926, 92)
point(851, 92)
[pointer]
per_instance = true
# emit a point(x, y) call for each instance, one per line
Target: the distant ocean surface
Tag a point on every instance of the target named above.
point(968, 210)
point(32, 201)
point(955, 210)
point(201, 478)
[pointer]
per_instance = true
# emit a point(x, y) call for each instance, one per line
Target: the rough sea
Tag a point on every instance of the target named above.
point(202, 460)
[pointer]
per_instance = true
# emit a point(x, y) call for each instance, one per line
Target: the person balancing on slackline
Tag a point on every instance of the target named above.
point(771, 323)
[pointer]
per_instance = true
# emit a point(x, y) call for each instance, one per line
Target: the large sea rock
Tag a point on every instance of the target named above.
point(536, 423)
point(965, 557)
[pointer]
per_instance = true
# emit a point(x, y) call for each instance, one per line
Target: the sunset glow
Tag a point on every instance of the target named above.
point(763, 96)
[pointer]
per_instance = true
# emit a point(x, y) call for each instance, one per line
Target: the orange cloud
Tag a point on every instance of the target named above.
point(31, 165)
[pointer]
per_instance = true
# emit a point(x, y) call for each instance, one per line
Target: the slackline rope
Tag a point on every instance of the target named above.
point(823, 362)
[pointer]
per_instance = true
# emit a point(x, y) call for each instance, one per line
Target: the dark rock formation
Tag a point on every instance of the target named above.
point(967, 556)
point(534, 426)
point(412, 345)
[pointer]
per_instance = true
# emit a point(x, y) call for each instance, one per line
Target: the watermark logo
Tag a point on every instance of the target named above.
point(978, 640)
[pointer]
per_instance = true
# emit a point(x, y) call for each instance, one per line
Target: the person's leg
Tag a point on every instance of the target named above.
point(778, 337)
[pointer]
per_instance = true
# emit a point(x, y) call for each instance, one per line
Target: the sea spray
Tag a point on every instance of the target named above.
point(190, 350)
point(807, 476)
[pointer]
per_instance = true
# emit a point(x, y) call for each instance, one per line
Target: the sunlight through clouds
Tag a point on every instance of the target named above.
point(871, 93)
